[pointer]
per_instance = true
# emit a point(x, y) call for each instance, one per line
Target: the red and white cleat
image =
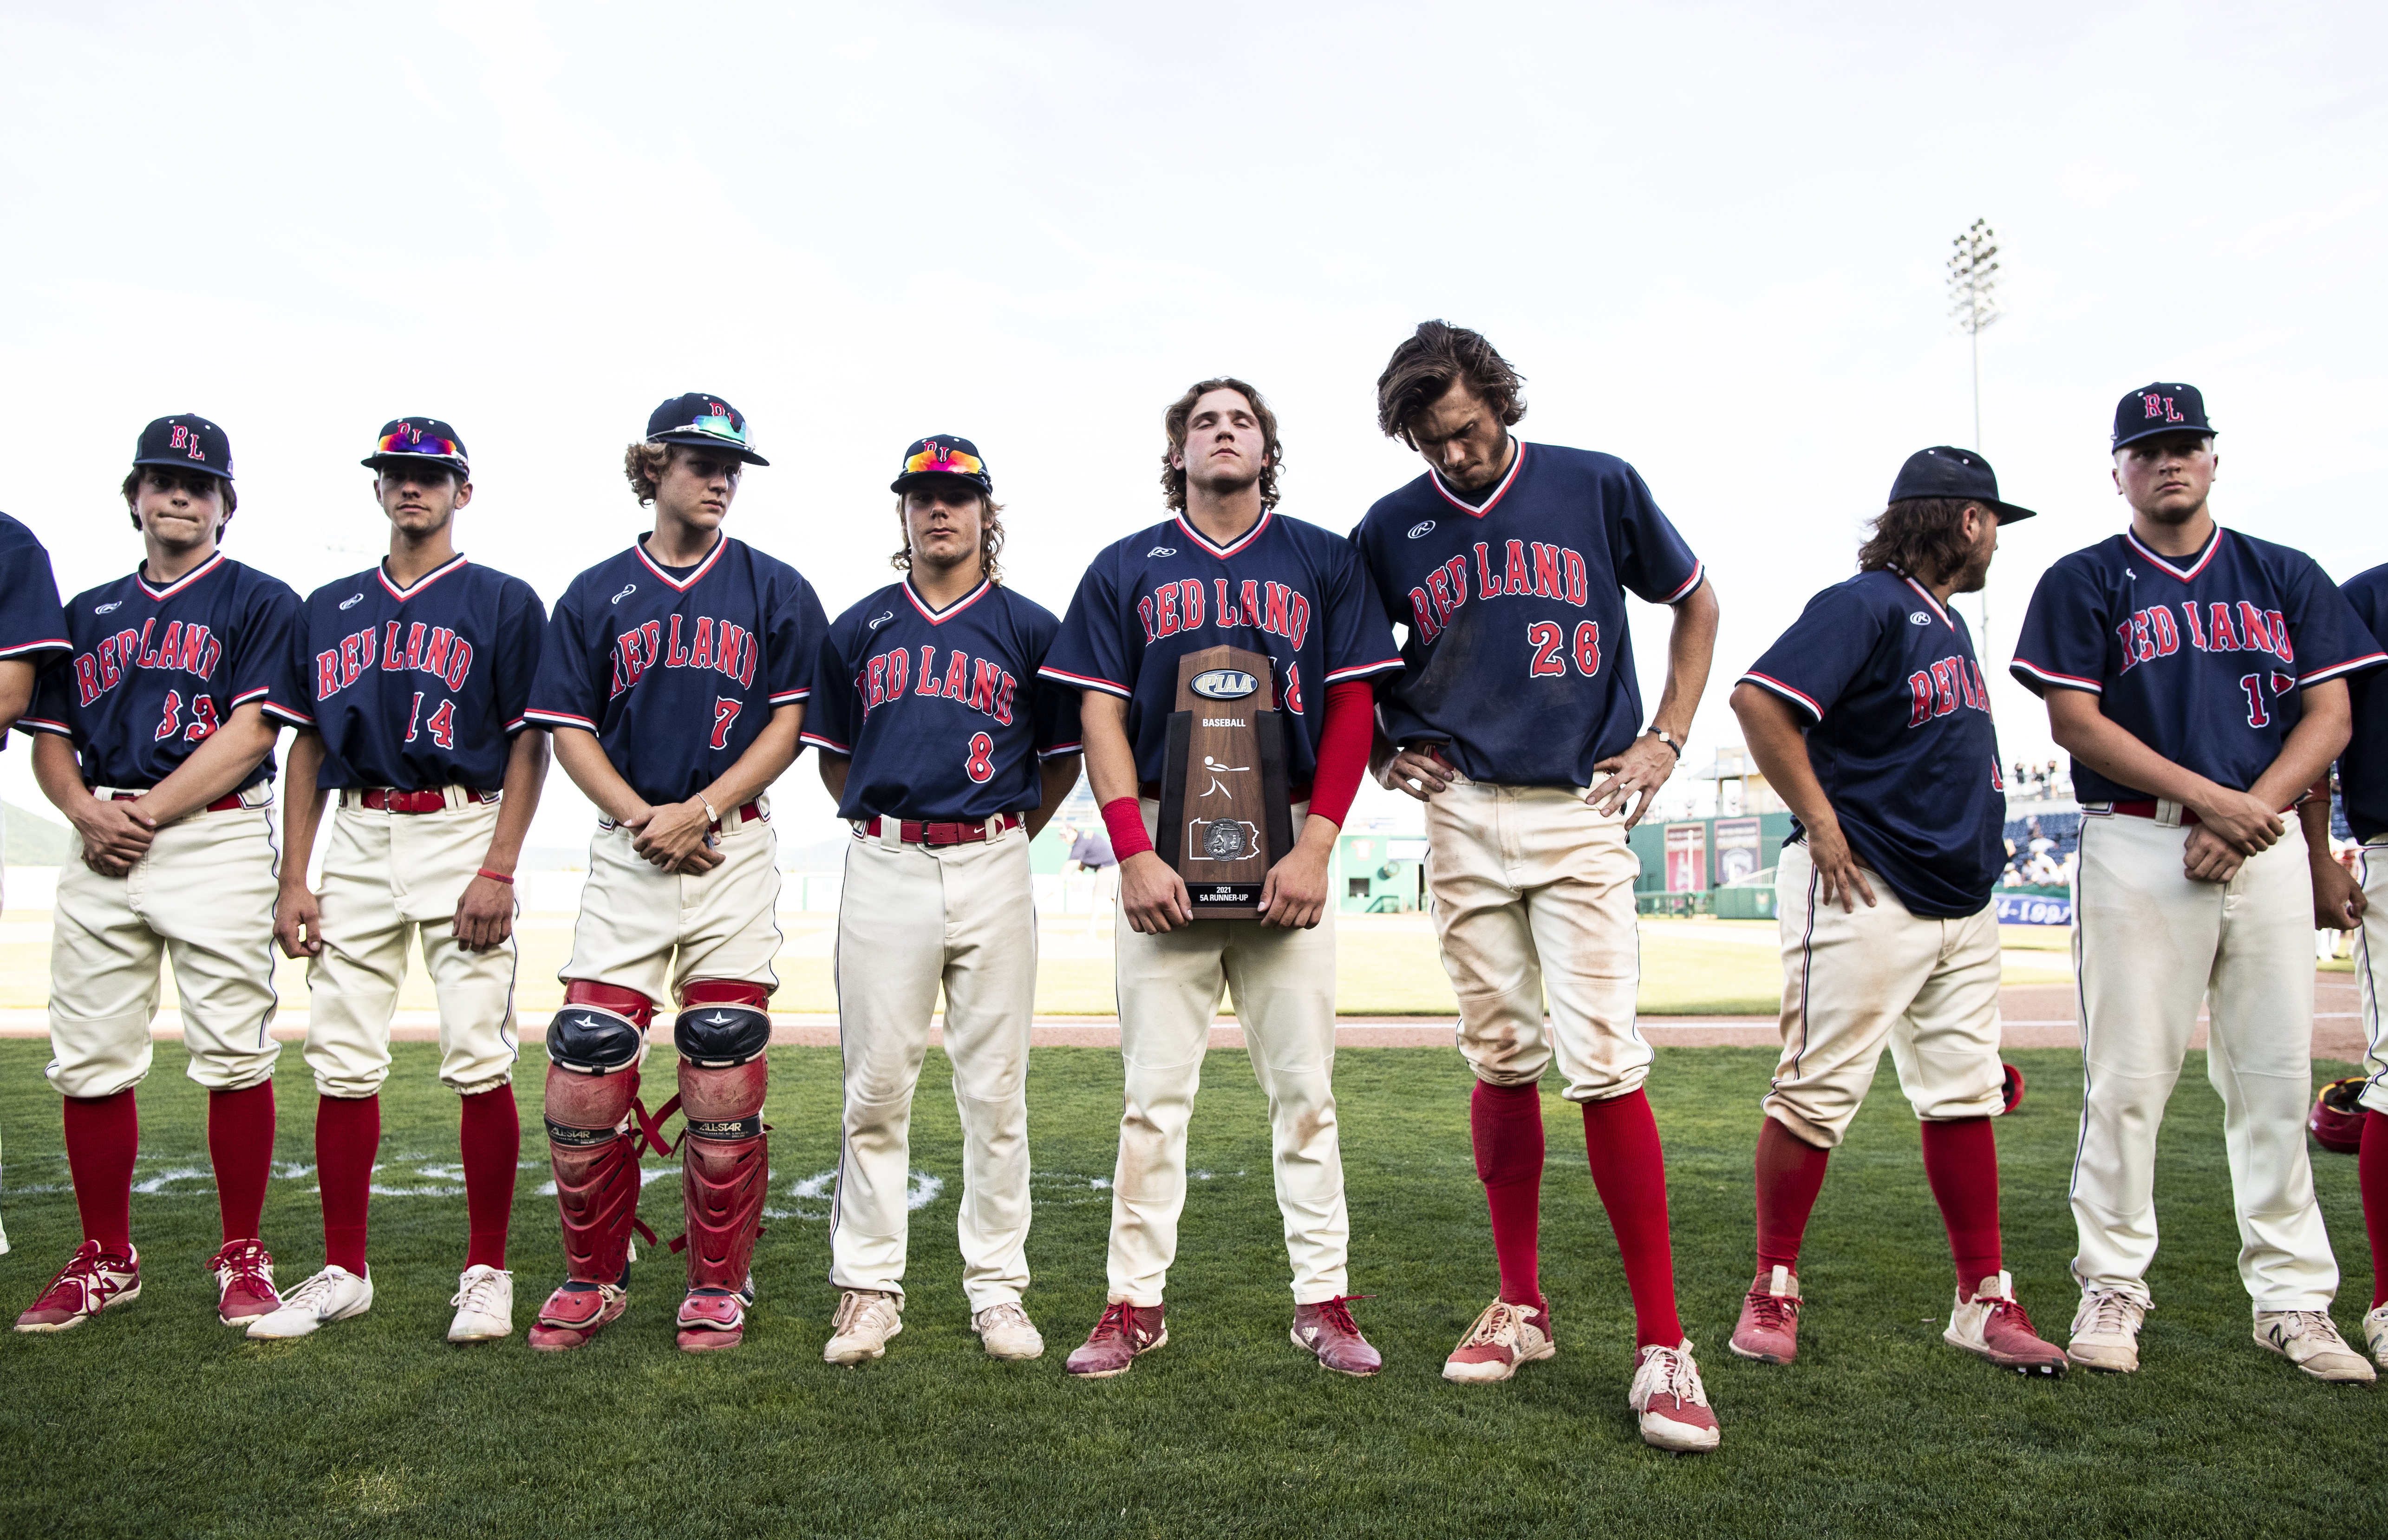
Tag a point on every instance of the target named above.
point(91, 1282)
point(1504, 1336)
point(715, 1318)
point(1667, 1398)
point(574, 1313)
point(245, 1290)
point(1994, 1325)
point(1768, 1327)
point(1328, 1330)
point(1125, 1332)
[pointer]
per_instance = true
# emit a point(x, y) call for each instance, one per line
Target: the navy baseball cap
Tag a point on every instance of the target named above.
point(2159, 408)
point(1947, 471)
point(419, 439)
point(697, 418)
point(188, 441)
point(942, 455)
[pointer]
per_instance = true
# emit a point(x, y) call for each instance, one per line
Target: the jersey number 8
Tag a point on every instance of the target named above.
point(981, 765)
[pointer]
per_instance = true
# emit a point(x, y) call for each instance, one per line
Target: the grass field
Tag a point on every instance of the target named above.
point(157, 1420)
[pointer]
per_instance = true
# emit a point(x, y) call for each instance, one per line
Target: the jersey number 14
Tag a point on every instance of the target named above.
point(442, 725)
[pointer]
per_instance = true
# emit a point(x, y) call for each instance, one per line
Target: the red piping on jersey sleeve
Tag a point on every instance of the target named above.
point(1343, 740)
point(1124, 819)
point(2369, 660)
point(832, 744)
point(54, 644)
point(43, 724)
point(2050, 676)
point(1699, 571)
point(1806, 703)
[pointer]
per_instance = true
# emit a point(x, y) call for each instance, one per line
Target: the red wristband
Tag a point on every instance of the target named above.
point(497, 876)
point(1125, 822)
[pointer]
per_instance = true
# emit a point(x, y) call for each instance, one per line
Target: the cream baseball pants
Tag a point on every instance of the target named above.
point(2371, 969)
point(913, 919)
point(646, 929)
point(1170, 985)
point(203, 896)
point(1851, 981)
point(1533, 898)
point(2148, 943)
point(388, 878)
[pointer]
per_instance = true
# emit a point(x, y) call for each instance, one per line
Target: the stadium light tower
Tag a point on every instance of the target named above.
point(1974, 301)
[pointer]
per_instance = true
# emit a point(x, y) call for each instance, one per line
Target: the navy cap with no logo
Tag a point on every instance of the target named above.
point(187, 440)
point(405, 439)
point(2160, 408)
point(697, 418)
point(943, 454)
point(1945, 471)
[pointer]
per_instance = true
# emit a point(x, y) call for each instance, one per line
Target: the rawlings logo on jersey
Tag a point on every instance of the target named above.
point(1422, 527)
point(108, 608)
point(426, 649)
point(1549, 572)
point(1180, 606)
point(881, 621)
point(2151, 633)
point(191, 649)
point(352, 600)
point(628, 589)
point(980, 683)
point(1917, 618)
point(723, 646)
point(1160, 550)
point(1938, 690)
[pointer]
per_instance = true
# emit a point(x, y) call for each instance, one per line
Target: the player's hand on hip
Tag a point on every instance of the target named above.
point(1293, 894)
point(2339, 903)
point(1153, 894)
point(485, 915)
point(2205, 858)
point(668, 834)
point(115, 834)
point(298, 922)
point(1638, 772)
point(1839, 876)
point(1418, 772)
point(2240, 820)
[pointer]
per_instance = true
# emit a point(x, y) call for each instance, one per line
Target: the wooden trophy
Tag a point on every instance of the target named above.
point(1225, 815)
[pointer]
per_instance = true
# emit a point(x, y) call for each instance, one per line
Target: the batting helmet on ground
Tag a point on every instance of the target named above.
point(2014, 1087)
point(2337, 1118)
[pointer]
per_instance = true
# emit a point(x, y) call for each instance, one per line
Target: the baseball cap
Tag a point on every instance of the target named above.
point(186, 441)
point(419, 439)
point(697, 418)
point(2159, 408)
point(1945, 471)
point(943, 454)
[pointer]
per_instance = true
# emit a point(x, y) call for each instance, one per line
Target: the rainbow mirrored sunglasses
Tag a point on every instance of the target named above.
point(408, 441)
point(940, 460)
point(720, 427)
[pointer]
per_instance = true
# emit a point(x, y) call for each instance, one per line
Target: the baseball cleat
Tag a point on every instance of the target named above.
point(2310, 1339)
point(574, 1313)
point(331, 1295)
point(1505, 1335)
point(1328, 1330)
point(2106, 1331)
point(1768, 1327)
point(485, 1306)
point(1994, 1325)
point(244, 1272)
point(1667, 1398)
point(712, 1318)
point(1008, 1332)
point(90, 1283)
point(1125, 1332)
point(2375, 1334)
point(865, 1320)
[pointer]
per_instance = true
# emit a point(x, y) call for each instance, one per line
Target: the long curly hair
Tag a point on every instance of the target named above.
point(1181, 410)
point(1427, 364)
point(1921, 536)
point(990, 538)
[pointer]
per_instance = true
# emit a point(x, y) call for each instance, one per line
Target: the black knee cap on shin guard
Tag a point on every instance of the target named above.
point(718, 1037)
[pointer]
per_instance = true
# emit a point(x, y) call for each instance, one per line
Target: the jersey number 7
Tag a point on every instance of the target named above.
point(725, 711)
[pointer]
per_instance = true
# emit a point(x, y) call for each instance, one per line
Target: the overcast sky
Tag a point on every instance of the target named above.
point(1712, 237)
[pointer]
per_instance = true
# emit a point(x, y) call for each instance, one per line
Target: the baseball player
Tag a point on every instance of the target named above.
point(940, 743)
point(419, 669)
point(1519, 723)
point(673, 681)
point(33, 633)
point(2198, 678)
point(155, 738)
point(2345, 901)
point(1226, 569)
point(1871, 719)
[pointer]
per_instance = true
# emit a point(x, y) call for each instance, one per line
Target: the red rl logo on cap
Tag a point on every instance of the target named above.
point(2160, 408)
point(185, 438)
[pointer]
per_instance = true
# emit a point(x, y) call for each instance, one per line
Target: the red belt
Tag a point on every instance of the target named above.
point(389, 800)
point(943, 834)
point(223, 804)
point(2148, 809)
point(749, 813)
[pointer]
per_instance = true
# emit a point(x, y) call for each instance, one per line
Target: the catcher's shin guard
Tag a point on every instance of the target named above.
point(593, 1047)
point(721, 1033)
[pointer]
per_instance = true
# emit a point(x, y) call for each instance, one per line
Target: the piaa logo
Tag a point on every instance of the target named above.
point(1223, 684)
point(1423, 526)
point(1917, 618)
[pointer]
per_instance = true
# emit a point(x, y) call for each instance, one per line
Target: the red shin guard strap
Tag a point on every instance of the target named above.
point(103, 1138)
point(2371, 1176)
point(347, 1135)
point(1960, 1160)
point(627, 1003)
point(1790, 1174)
point(1505, 1124)
point(1630, 1170)
point(240, 1145)
point(725, 991)
point(489, 1138)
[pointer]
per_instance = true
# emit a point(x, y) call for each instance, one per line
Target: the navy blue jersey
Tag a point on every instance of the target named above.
point(1518, 658)
point(1287, 590)
point(425, 686)
point(942, 712)
point(31, 626)
point(155, 670)
point(675, 675)
point(2200, 660)
point(1898, 731)
point(2362, 768)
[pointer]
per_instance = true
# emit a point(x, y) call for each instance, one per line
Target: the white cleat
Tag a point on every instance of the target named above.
point(331, 1295)
point(485, 1306)
point(1008, 1332)
point(1669, 1401)
point(2310, 1339)
point(2106, 1331)
point(865, 1320)
point(2375, 1334)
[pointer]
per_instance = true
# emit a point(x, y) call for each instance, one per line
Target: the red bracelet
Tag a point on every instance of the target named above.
point(497, 876)
point(1124, 821)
